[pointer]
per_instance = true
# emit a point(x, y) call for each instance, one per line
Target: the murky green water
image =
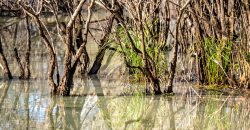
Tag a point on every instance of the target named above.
point(28, 105)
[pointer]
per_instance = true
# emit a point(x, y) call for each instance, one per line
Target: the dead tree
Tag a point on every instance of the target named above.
point(69, 65)
point(70, 59)
point(52, 56)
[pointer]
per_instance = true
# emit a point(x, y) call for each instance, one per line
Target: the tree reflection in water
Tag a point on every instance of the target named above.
point(26, 105)
point(4, 89)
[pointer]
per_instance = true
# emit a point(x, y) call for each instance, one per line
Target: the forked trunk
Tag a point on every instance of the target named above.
point(70, 61)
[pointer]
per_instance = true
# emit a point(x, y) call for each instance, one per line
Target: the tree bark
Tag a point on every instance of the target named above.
point(84, 59)
point(102, 49)
point(19, 64)
point(52, 55)
point(27, 54)
point(64, 85)
point(98, 61)
point(70, 64)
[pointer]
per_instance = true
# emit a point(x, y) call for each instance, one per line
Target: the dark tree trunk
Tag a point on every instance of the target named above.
point(98, 61)
point(157, 88)
point(19, 64)
point(102, 49)
point(201, 66)
point(153, 86)
point(27, 54)
point(152, 83)
point(7, 73)
point(86, 60)
point(52, 59)
point(16, 55)
point(23, 67)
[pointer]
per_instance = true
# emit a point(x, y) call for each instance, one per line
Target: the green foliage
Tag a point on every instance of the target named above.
point(133, 58)
point(217, 58)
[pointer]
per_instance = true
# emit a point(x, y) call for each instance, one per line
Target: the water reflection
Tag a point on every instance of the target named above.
point(28, 105)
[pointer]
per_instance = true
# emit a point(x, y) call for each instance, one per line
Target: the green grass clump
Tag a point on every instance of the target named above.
point(217, 60)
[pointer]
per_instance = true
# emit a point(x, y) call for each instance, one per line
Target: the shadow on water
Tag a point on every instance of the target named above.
point(28, 105)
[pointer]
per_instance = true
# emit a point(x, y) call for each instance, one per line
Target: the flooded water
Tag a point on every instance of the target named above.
point(28, 105)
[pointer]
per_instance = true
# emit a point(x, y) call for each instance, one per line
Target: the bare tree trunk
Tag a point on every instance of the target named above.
point(102, 49)
point(27, 54)
point(247, 22)
point(70, 64)
point(52, 55)
point(223, 20)
point(98, 61)
point(7, 73)
point(84, 59)
point(19, 64)
point(52, 59)
point(16, 55)
point(64, 85)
